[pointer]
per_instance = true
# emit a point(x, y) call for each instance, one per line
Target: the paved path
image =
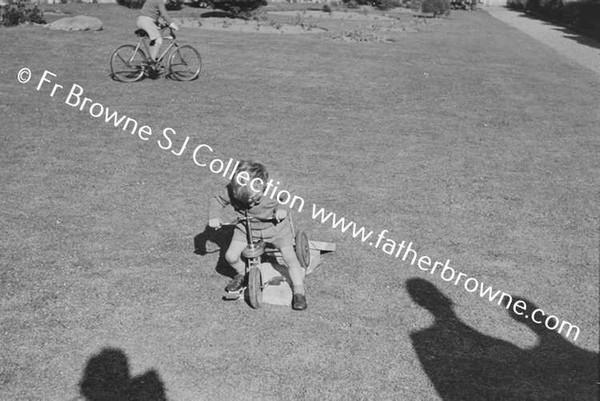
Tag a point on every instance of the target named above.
point(583, 51)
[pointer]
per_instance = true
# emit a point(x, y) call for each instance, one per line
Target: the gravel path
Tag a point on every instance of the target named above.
point(582, 50)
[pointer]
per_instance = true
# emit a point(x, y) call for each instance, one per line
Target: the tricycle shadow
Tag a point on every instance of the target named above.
point(211, 241)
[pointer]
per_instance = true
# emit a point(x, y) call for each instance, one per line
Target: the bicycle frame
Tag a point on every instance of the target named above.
point(146, 48)
point(130, 62)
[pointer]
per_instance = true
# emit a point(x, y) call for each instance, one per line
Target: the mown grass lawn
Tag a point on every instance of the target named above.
point(467, 138)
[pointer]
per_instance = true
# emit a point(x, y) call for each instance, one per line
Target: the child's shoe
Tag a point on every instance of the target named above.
point(299, 302)
point(236, 283)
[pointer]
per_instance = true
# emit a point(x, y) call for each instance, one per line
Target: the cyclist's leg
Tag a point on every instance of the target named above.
point(147, 24)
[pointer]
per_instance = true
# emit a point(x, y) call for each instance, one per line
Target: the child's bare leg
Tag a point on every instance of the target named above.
point(233, 257)
point(295, 269)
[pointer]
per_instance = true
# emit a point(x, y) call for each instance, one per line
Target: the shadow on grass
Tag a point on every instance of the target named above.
point(464, 364)
point(217, 14)
point(210, 241)
point(584, 40)
point(106, 378)
point(567, 32)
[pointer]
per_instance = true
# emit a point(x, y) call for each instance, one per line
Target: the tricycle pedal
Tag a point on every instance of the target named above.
point(233, 295)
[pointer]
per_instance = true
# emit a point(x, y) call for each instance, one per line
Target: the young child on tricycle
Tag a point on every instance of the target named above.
point(269, 222)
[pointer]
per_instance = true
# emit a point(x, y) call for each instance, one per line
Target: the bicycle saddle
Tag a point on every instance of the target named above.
point(141, 33)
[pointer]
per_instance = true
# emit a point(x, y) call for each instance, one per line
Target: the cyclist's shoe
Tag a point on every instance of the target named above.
point(153, 69)
point(299, 302)
point(236, 283)
point(151, 64)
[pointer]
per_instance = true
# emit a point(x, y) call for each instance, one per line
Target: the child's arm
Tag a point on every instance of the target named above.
point(280, 213)
point(286, 192)
point(272, 209)
point(217, 204)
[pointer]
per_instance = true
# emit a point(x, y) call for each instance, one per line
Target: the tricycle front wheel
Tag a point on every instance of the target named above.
point(255, 287)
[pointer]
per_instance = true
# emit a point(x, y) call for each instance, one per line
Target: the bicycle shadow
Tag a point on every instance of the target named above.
point(464, 364)
point(152, 75)
point(106, 377)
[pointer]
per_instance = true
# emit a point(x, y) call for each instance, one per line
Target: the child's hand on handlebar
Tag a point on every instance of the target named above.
point(280, 214)
point(214, 223)
point(173, 26)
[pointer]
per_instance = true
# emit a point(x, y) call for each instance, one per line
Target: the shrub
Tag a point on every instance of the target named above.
point(550, 8)
point(387, 4)
point(239, 8)
point(356, 3)
point(518, 5)
point(437, 7)
point(19, 13)
point(174, 4)
point(584, 16)
point(131, 3)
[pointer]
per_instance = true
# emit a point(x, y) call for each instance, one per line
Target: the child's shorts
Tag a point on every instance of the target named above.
point(279, 235)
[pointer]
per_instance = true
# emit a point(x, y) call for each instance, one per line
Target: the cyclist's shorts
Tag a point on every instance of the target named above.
point(148, 25)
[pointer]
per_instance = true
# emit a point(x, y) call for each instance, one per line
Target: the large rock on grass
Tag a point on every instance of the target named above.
point(78, 23)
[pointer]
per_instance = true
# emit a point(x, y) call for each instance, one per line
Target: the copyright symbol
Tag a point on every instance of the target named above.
point(24, 75)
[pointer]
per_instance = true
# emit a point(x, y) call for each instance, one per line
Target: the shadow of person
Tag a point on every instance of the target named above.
point(210, 241)
point(462, 363)
point(106, 378)
point(563, 370)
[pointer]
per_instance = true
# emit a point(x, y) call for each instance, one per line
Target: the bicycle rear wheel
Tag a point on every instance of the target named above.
point(127, 63)
point(185, 63)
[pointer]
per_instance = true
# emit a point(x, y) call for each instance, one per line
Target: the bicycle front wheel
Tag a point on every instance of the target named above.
point(127, 63)
point(185, 63)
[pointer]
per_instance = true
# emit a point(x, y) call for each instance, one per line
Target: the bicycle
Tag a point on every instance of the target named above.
point(129, 63)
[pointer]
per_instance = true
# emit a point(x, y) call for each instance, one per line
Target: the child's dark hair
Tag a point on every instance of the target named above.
point(248, 188)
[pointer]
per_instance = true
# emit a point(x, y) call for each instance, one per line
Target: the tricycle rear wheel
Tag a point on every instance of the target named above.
point(303, 249)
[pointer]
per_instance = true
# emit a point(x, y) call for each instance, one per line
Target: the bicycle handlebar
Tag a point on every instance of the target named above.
point(171, 30)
